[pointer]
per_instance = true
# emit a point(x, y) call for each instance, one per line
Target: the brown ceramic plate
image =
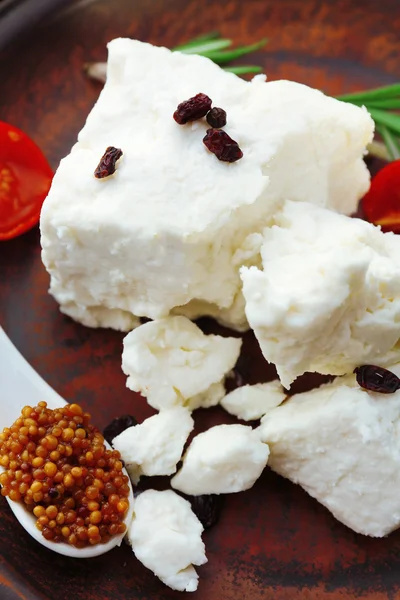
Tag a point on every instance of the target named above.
point(273, 541)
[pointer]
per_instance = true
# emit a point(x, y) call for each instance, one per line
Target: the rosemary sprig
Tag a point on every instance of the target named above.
point(243, 69)
point(219, 51)
point(380, 93)
point(213, 35)
point(381, 103)
point(392, 142)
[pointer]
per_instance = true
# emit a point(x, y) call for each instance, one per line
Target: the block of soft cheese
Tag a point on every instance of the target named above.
point(163, 230)
point(165, 536)
point(155, 446)
point(222, 460)
point(251, 402)
point(342, 445)
point(328, 296)
point(172, 362)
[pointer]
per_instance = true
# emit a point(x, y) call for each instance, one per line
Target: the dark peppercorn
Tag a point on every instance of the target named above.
point(377, 379)
point(224, 147)
point(216, 117)
point(192, 109)
point(117, 426)
point(207, 508)
point(106, 166)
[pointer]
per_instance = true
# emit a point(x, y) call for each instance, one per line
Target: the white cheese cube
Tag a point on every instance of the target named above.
point(342, 445)
point(251, 402)
point(165, 536)
point(155, 446)
point(172, 362)
point(222, 460)
point(328, 297)
point(163, 230)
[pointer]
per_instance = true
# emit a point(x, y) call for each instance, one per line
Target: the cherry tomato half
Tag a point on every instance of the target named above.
point(381, 204)
point(25, 179)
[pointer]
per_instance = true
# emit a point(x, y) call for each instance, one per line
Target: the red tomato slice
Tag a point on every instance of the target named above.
point(25, 179)
point(381, 203)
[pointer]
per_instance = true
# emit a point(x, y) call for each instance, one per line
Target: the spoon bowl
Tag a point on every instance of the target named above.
point(22, 385)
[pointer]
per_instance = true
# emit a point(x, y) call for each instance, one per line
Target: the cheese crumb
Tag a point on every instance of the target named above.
point(342, 445)
point(328, 297)
point(172, 362)
point(222, 460)
point(251, 402)
point(165, 536)
point(155, 446)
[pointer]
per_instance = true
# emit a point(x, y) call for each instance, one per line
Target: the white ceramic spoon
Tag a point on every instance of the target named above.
point(20, 385)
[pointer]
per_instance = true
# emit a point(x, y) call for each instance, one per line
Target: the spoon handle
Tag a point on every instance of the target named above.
point(20, 384)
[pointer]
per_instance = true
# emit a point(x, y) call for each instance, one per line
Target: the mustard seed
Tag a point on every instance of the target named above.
point(58, 466)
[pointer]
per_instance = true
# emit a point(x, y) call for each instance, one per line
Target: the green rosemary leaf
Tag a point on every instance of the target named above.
point(392, 142)
point(382, 117)
point(381, 93)
point(206, 48)
point(222, 57)
point(243, 69)
point(386, 104)
point(197, 40)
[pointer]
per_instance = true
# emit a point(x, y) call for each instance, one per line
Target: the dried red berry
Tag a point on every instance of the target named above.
point(106, 166)
point(224, 147)
point(377, 379)
point(207, 508)
point(117, 426)
point(216, 117)
point(192, 109)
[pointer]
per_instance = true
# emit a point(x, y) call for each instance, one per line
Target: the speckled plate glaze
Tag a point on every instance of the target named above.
point(274, 541)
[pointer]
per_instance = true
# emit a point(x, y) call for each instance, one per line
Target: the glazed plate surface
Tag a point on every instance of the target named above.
point(274, 541)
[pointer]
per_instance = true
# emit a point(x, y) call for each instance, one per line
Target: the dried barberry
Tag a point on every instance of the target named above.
point(207, 508)
point(377, 379)
point(117, 426)
point(106, 166)
point(192, 109)
point(216, 117)
point(224, 147)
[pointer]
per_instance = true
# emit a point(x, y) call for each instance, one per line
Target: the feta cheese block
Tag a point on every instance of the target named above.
point(222, 460)
point(328, 296)
point(251, 402)
point(162, 232)
point(172, 362)
point(155, 446)
point(165, 535)
point(342, 445)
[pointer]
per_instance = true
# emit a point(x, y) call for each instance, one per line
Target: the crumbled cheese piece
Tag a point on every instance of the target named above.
point(222, 460)
point(98, 316)
point(155, 446)
point(328, 298)
point(162, 231)
point(210, 397)
point(166, 537)
point(172, 362)
point(342, 445)
point(251, 402)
